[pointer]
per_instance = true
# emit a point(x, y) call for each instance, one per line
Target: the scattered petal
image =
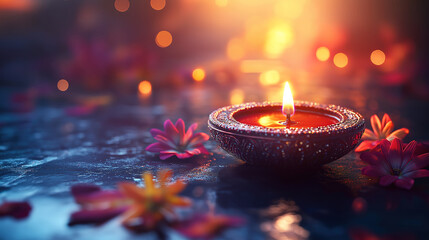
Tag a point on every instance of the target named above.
point(17, 210)
point(207, 226)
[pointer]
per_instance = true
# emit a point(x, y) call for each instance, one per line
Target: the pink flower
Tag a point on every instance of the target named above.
point(382, 130)
point(174, 141)
point(17, 210)
point(207, 226)
point(395, 162)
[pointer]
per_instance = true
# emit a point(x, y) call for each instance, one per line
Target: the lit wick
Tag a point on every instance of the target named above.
point(288, 108)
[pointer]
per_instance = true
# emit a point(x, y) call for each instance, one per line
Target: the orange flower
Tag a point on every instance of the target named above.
point(382, 130)
point(154, 203)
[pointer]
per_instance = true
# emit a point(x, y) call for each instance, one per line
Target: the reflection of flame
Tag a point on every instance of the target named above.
point(265, 121)
point(288, 107)
point(286, 223)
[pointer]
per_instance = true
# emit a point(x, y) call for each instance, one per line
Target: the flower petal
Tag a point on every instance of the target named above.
point(164, 176)
point(149, 184)
point(105, 197)
point(84, 189)
point(171, 131)
point(421, 148)
point(387, 129)
point(400, 133)
point(422, 160)
point(373, 171)
point(376, 124)
point(405, 183)
point(202, 149)
point(184, 155)
point(386, 119)
point(190, 132)
point(370, 158)
point(386, 180)
point(207, 226)
point(131, 190)
point(176, 187)
point(166, 141)
point(407, 154)
point(180, 201)
point(180, 126)
point(157, 147)
point(95, 216)
point(417, 173)
point(164, 156)
point(197, 139)
point(133, 212)
point(17, 210)
point(154, 132)
point(194, 151)
point(369, 135)
point(366, 145)
point(395, 154)
point(384, 146)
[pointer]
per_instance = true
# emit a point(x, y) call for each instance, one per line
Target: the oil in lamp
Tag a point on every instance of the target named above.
point(292, 134)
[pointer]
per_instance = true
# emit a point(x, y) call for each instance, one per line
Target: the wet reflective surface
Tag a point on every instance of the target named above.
point(45, 151)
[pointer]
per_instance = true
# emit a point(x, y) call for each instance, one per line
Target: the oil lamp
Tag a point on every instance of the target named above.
point(292, 134)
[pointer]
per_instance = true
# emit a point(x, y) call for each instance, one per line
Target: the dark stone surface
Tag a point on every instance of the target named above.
point(45, 151)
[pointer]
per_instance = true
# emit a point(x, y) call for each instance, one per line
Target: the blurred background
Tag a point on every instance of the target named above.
point(368, 55)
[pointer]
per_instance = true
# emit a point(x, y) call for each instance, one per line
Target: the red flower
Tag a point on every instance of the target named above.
point(382, 130)
point(17, 210)
point(207, 226)
point(395, 162)
point(174, 141)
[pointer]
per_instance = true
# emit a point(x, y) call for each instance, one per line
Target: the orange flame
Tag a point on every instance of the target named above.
point(288, 107)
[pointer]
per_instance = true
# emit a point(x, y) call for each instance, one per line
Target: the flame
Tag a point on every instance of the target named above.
point(288, 106)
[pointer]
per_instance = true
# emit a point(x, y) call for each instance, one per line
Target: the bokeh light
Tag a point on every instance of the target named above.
point(289, 8)
point(145, 88)
point(62, 85)
point(279, 37)
point(378, 57)
point(198, 74)
point(221, 3)
point(157, 4)
point(235, 49)
point(323, 54)
point(341, 60)
point(122, 5)
point(16, 5)
point(270, 77)
point(163, 39)
point(236, 96)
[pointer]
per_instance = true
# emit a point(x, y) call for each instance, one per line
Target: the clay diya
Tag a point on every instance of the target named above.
point(296, 135)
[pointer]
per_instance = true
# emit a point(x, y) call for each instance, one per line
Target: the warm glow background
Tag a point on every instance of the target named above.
point(331, 51)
